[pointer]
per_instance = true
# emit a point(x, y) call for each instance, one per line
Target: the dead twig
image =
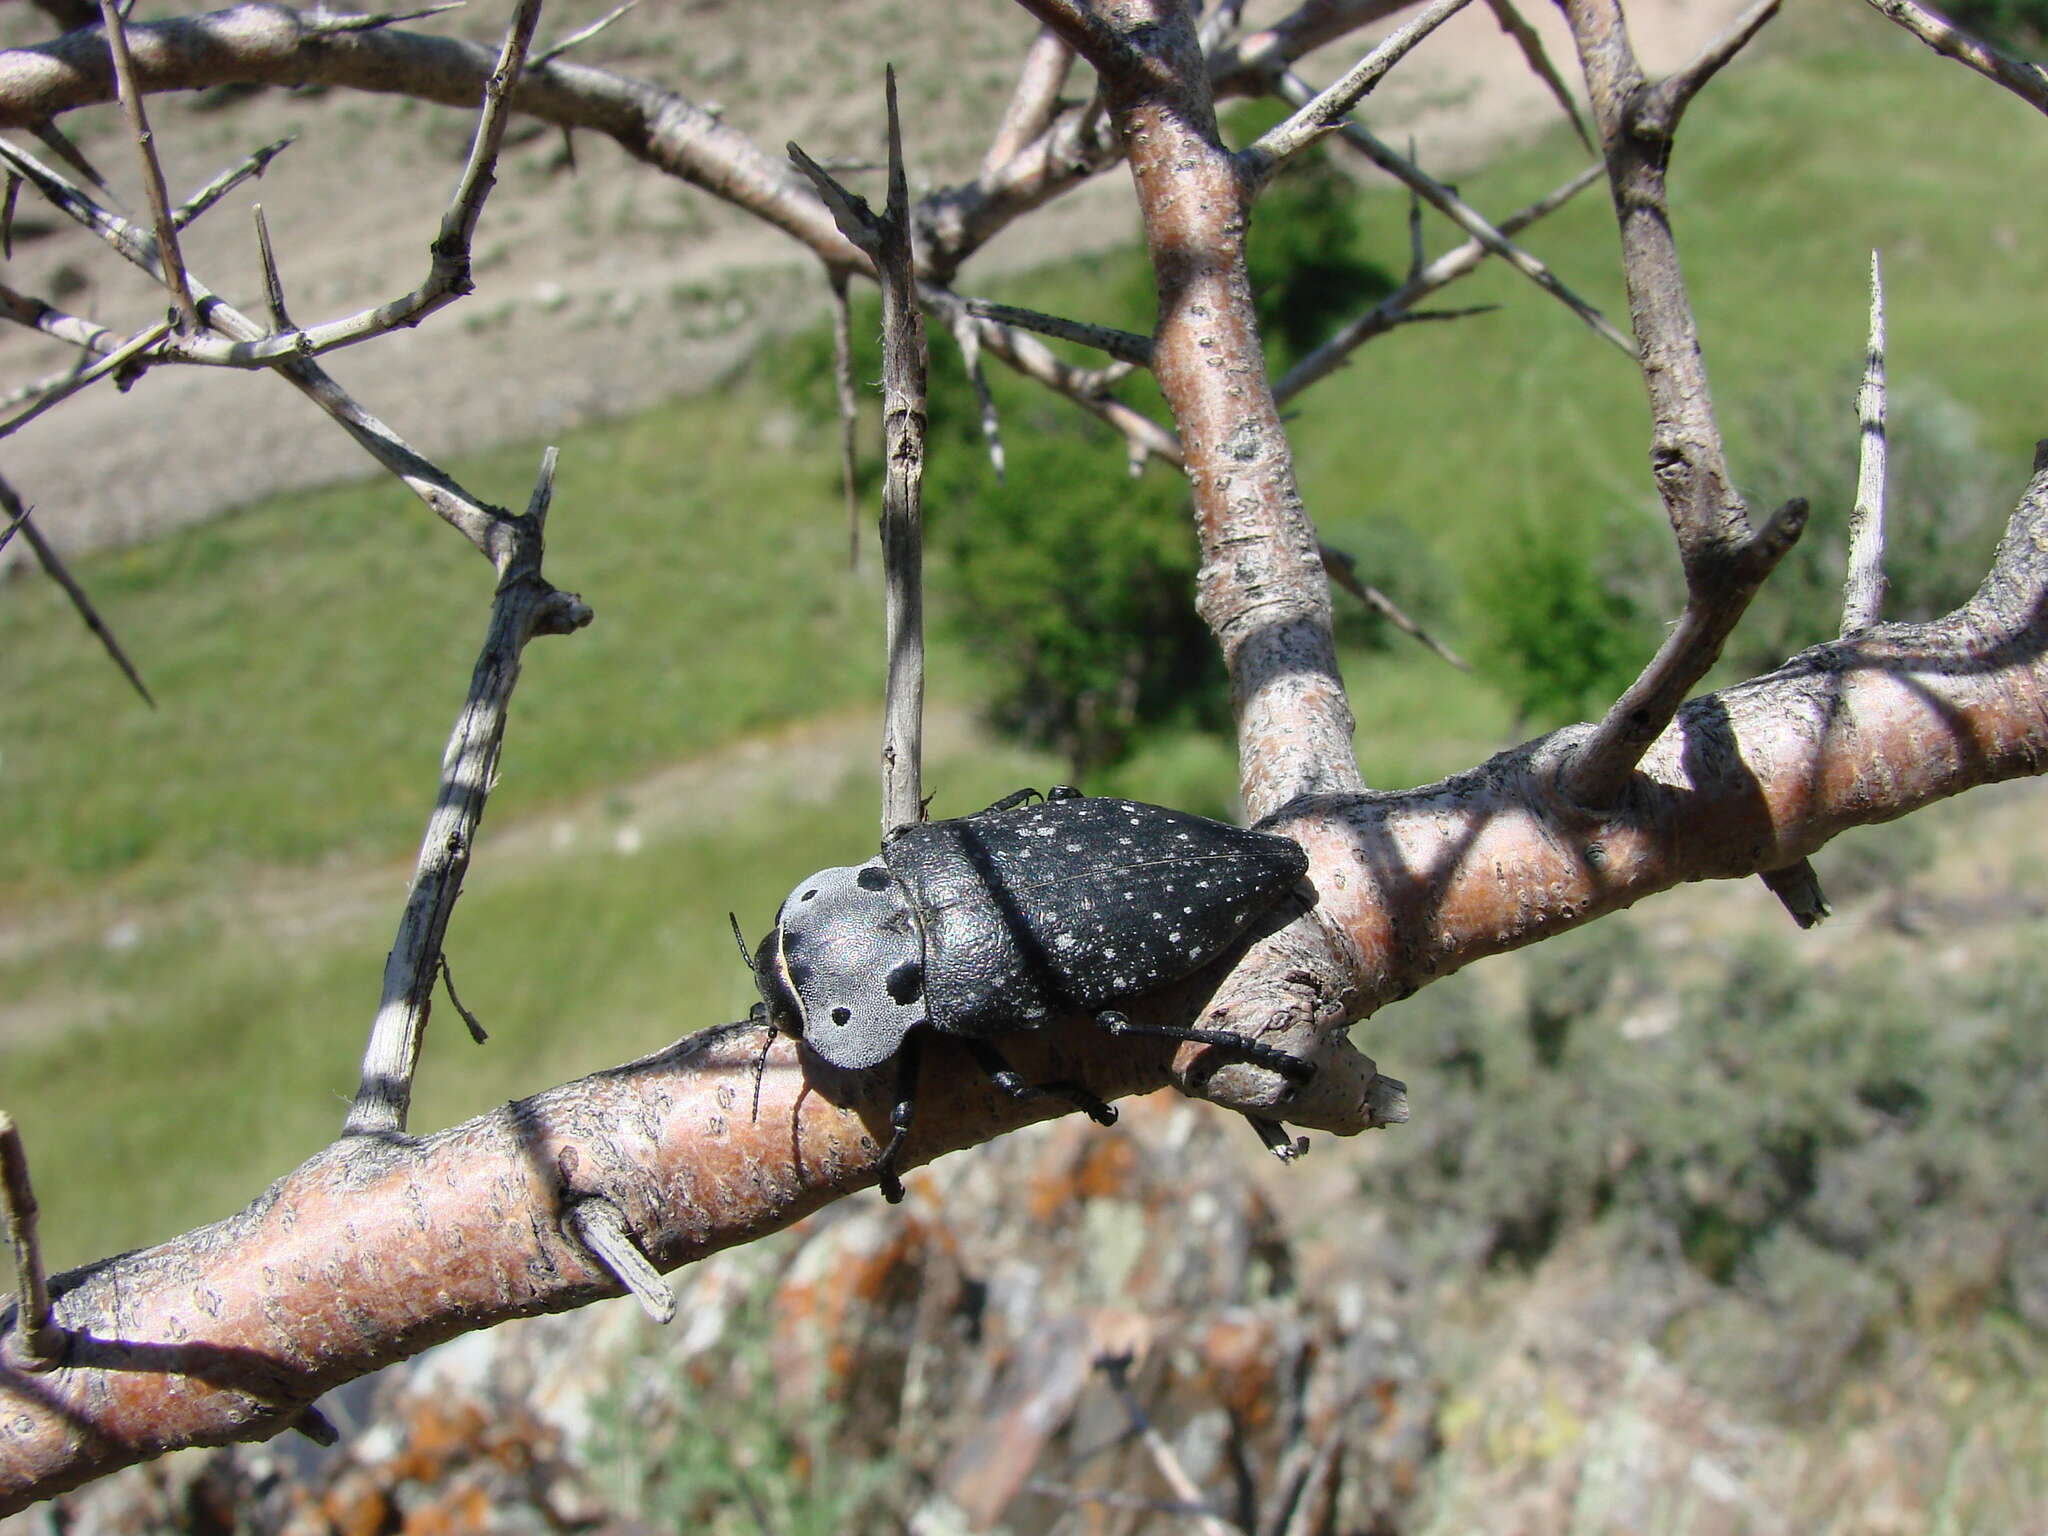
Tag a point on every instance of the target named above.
point(55, 568)
point(1534, 55)
point(63, 387)
point(485, 526)
point(39, 1342)
point(1291, 87)
point(526, 605)
point(1343, 569)
point(601, 1227)
point(1319, 117)
point(580, 36)
point(1124, 346)
point(199, 202)
point(448, 273)
point(1435, 276)
point(887, 242)
point(967, 336)
point(1723, 557)
point(849, 411)
point(1863, 586)
point(2026, 80)
point(152, 168)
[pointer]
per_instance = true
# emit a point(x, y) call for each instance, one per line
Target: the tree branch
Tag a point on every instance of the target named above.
point(1320, 117)
point(2026, 80)
point(1723, 559)
point(1863, 584)
point(526, 605)
point(1431, 278)
point(1262, 590)
point(377, 1248)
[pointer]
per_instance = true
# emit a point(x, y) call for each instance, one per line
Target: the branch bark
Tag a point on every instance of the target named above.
point(377, 1248)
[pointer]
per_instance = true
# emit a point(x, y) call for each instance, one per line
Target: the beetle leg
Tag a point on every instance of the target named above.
point(899, 1117)
point(1293, 1068)
point(1007, 1078)
point(1015, 798)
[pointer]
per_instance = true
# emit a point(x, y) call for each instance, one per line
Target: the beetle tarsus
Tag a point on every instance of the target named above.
point(1293, 1068)
point(899, 1119)
point(1278, 1142)
point(1015, 798)
point(1011, 1081)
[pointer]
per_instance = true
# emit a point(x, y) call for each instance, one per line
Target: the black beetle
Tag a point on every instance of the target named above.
point(1005, 919)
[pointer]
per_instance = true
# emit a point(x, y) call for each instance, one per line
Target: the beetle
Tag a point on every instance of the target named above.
point(1003, 920)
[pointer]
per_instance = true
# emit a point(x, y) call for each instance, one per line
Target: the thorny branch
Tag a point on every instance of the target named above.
point(485, 526)
point(82, 604)
point(37, 1341)
point(448, 273)
point(1430, 278)
point(526, 605)
point(152, 168)
point(1724, 559)
point(381, 1245)
point(887, 243)
point(1863, 587)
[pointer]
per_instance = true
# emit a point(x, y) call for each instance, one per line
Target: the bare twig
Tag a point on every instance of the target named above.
point(39, 1341)
point(601, 1227)
point(1447, 202)
point(1677, 92)
point(580, 36)
point(887, 241)
point(58, 143)
point(273, 280)
point(152, 169)
point(487, 527)
point(375, 21)
point(1125, 346)
point(1724, 559)
point(525, 606)
point(1183, 1487)
point(54, 567)
point(1517, 27)
point(2026, 80)
point(14, 522)
point(69, 384)
point(1863, 587)
point(475, 1025)
point(1033, 104)
point(903, 421)
point(1321, 116)
point(448, 274)
point(968, 336)
point(849, 411)
point(1390, 311)
point(7, 202)
point(226, 182)
point(1343, 569)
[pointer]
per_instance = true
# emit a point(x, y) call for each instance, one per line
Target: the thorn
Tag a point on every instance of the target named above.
point(600, 1227)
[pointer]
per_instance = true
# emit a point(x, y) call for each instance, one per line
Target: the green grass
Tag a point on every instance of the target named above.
point(310, 653)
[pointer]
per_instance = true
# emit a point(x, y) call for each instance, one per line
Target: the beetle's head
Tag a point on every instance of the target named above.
point(843, 968)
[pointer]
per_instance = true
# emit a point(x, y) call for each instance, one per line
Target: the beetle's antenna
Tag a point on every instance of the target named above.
point(746, 956)
point(761, 1061)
